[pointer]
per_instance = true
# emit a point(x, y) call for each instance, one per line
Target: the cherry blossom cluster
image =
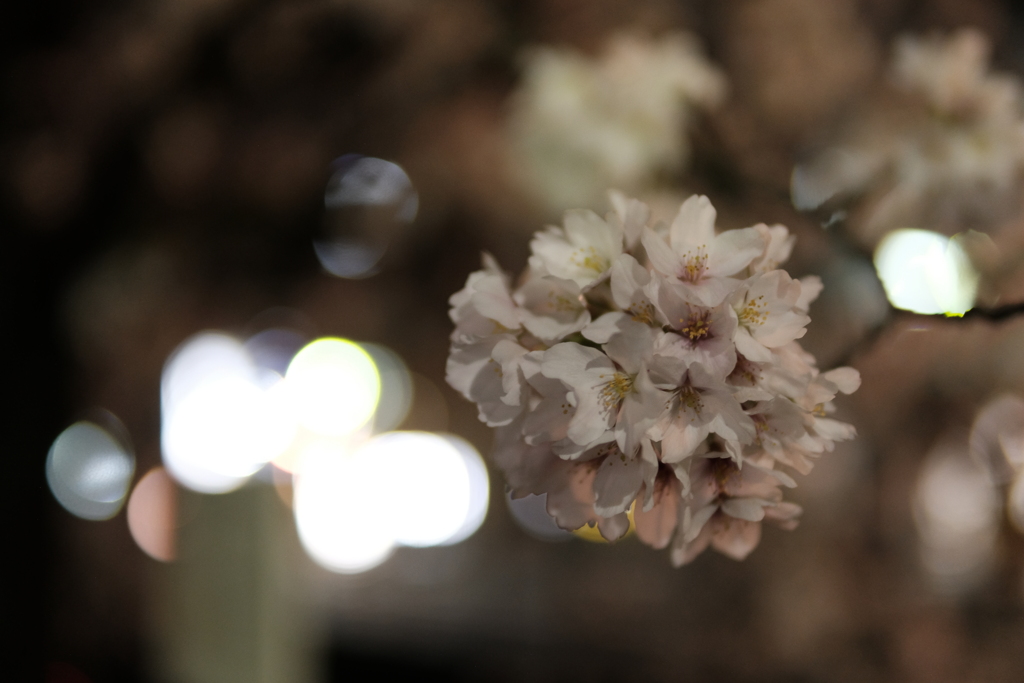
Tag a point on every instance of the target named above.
point(652, 371)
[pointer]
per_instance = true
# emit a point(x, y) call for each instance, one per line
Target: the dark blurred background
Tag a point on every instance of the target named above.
point(163, 167)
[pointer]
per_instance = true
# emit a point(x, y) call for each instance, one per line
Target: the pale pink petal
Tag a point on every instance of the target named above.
point(656, 526)
point(750, 347)
point(846, 379)
point(602, 329)
point(632, 346)
point(570, 363)
point(736, 538)
point(694, 522)
point(508, 355)
point(750, 509)
point(617, 483)
point(633, 215)
point(661, 256)
point(493, 300)
point(680, 441)
point(571, 503)
point(628, 281)
point(685, 552)
point(613, 528)
point(784, 515)
point(810, 288)
point(694, 225)
point(710, 291)
point(734, 250)
point(834, 430)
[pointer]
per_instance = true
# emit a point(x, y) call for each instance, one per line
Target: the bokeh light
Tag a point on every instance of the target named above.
point(340, 504)
point(372, 199)
point(219, 424)
point(89, 471)
point(333, 386)
point(479, 489)
point(428, 484)
point(396, 388)
point(354, 504)
point(199, 360)
point(956, 509)
point(152, 515)
point(273, 349)
point(925, 272)
point(349, 258)
point(367, 181)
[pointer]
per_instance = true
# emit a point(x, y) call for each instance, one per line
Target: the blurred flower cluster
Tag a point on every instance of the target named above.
point(997, 444)
point(651, 364)
point(945, 151)
point(580, 125)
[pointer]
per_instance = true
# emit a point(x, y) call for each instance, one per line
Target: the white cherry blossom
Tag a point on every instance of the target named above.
point(698, 405)
point(701, 335)
point(727, 506)
point(582, 250)
point(778, 246)
point(768, 313)
point(483, 307)
point(613, 392)
point(699, 262)
point(474, 373)
point(552, 308)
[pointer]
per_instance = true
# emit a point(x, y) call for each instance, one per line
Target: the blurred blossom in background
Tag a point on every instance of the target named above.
point(581, 125)
point(956, 508)
point(945, 150)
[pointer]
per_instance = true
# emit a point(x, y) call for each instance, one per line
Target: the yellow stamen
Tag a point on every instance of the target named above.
point(694, 265)
point(690, 397)
point(615, 389)
point(696, 328)
point(562, 303)
point(642, 312)
point(588, 259)
point(754, 312)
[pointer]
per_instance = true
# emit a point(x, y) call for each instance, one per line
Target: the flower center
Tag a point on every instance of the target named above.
point(754, 312)
point(642, 312)
point(690, 397)
point(499, 328)
point(561, 303)
point(587, 258)
point(614, 390)
point(697, 327)
point(745, 372)
point(723, 471)
point(761, 427)
point(694, 265)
